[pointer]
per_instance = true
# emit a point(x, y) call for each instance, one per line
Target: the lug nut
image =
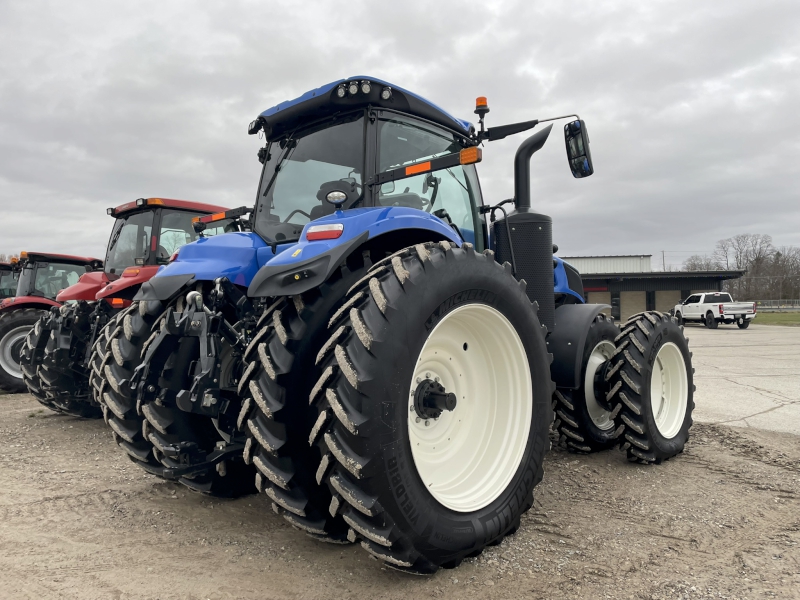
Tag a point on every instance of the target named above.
point(427, 422)
point(417, 420)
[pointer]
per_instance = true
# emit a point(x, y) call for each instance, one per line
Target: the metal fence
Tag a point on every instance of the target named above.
point(778, 305)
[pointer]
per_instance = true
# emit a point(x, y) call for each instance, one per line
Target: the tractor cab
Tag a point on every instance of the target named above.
point(43, 275)
point(346, 146)
point(149, 231)
point(9, 273)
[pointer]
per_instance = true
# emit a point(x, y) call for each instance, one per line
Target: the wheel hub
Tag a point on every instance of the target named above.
point(431, 399)
point(11, 350)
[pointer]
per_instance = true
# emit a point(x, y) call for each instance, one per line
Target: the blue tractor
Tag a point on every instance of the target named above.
point(386, 351)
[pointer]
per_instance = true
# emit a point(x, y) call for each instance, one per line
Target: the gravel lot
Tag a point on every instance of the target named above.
point(722, 520)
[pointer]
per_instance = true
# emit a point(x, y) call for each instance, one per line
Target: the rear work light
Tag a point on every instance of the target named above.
point(324, 232)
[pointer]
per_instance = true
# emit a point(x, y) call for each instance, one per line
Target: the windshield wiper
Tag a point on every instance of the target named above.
point(291, 144)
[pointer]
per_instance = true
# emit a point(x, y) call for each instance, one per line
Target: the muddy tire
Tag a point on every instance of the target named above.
point(444, 316)
point(53, 361)
point(652, 384)
point(165, 425)
point(116, 354)
point(582, 423)
point(14, 328)
point(282, 368)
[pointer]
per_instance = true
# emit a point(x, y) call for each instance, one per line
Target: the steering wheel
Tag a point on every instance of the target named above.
point(291, 214)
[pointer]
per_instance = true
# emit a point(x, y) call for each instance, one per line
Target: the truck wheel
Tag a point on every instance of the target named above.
point(679, 318)
point(434, 407)
point(56, 355)
point(14, 327)
point(116, 354)
point(282, 367)
point(711, 322)
point(583, 424)
point(652, 386)
point(743, 323)
point(166, 426)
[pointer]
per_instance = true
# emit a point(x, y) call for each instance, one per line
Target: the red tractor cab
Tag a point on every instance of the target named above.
point(42, 276)
point(145, 234)
point(9, 274)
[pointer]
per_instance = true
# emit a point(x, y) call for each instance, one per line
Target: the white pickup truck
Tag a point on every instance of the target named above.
point(713, 308)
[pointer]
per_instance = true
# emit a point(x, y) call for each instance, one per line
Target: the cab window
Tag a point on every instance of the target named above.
point(177, 230)
point(451, 194)
point(51, 278)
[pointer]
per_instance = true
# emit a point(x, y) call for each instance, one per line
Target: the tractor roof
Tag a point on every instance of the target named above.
point(324, 101)
point(5, 267)
point(144, 203)
point(58, 258)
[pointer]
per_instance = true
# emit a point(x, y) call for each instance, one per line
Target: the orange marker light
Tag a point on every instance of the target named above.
point(117, 302)
point(130, 272)
point(157, 201)
point(481, 101)
point(420, 168)
point(471, 155)
point(195, 219)
point(23, 254)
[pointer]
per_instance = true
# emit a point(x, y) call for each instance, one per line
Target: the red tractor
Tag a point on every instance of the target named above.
point(42, 276)
point(55, 358)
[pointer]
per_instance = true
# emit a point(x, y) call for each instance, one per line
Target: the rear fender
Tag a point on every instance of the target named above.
point(126, 286)
point(236, 256)
point(19, 302)
point(87, 287)
point(307, 264)
point(567, 342)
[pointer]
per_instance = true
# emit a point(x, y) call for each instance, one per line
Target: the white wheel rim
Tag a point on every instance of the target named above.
point(669, 390)
point(10, 339)
point(468, 456)
point(599, 415)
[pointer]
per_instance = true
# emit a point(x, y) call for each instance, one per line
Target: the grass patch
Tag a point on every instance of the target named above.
point(790, 319)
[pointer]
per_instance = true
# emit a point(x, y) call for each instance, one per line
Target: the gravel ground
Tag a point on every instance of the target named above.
point(78, 520)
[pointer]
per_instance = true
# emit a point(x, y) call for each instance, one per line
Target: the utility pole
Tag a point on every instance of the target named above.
point(663, 262)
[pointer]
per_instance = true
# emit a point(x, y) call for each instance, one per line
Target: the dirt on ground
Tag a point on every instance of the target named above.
point(79, 520)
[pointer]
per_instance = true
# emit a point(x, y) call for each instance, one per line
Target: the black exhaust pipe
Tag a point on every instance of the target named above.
point(531, 235)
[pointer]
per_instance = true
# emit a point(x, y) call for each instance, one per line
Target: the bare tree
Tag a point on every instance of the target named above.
point(3, 257)
point(697, 262)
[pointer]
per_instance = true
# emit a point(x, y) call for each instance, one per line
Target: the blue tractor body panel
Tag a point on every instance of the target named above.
point(375, 221)
point(237, 256)
point(560, 282)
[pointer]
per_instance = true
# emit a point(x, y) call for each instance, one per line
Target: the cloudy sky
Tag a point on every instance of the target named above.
point(692, 106)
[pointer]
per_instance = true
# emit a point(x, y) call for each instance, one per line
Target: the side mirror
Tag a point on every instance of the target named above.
point(578, 154)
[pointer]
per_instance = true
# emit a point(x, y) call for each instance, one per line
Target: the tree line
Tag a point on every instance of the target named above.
point(770, 273)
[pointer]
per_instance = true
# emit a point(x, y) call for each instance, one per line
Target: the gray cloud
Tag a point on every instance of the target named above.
point(691, 106)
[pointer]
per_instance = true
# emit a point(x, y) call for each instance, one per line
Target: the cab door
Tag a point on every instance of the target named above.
point(692, 307)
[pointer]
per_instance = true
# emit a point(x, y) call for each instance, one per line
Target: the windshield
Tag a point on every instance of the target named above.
point(8, 284)
point(295, 170)
point(176, 231)
point(130, 239)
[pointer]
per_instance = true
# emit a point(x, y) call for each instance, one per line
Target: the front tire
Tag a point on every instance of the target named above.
point(423, 493)
point(582, 423)
point(652, 385)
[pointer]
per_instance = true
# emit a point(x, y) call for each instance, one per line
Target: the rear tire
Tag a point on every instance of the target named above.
point(14, 328)
point(581, 422)
point(283, 366)
point(417, 317)
point(743, 323)
point(53, 361)
point(652, 386)
point(710, 321)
